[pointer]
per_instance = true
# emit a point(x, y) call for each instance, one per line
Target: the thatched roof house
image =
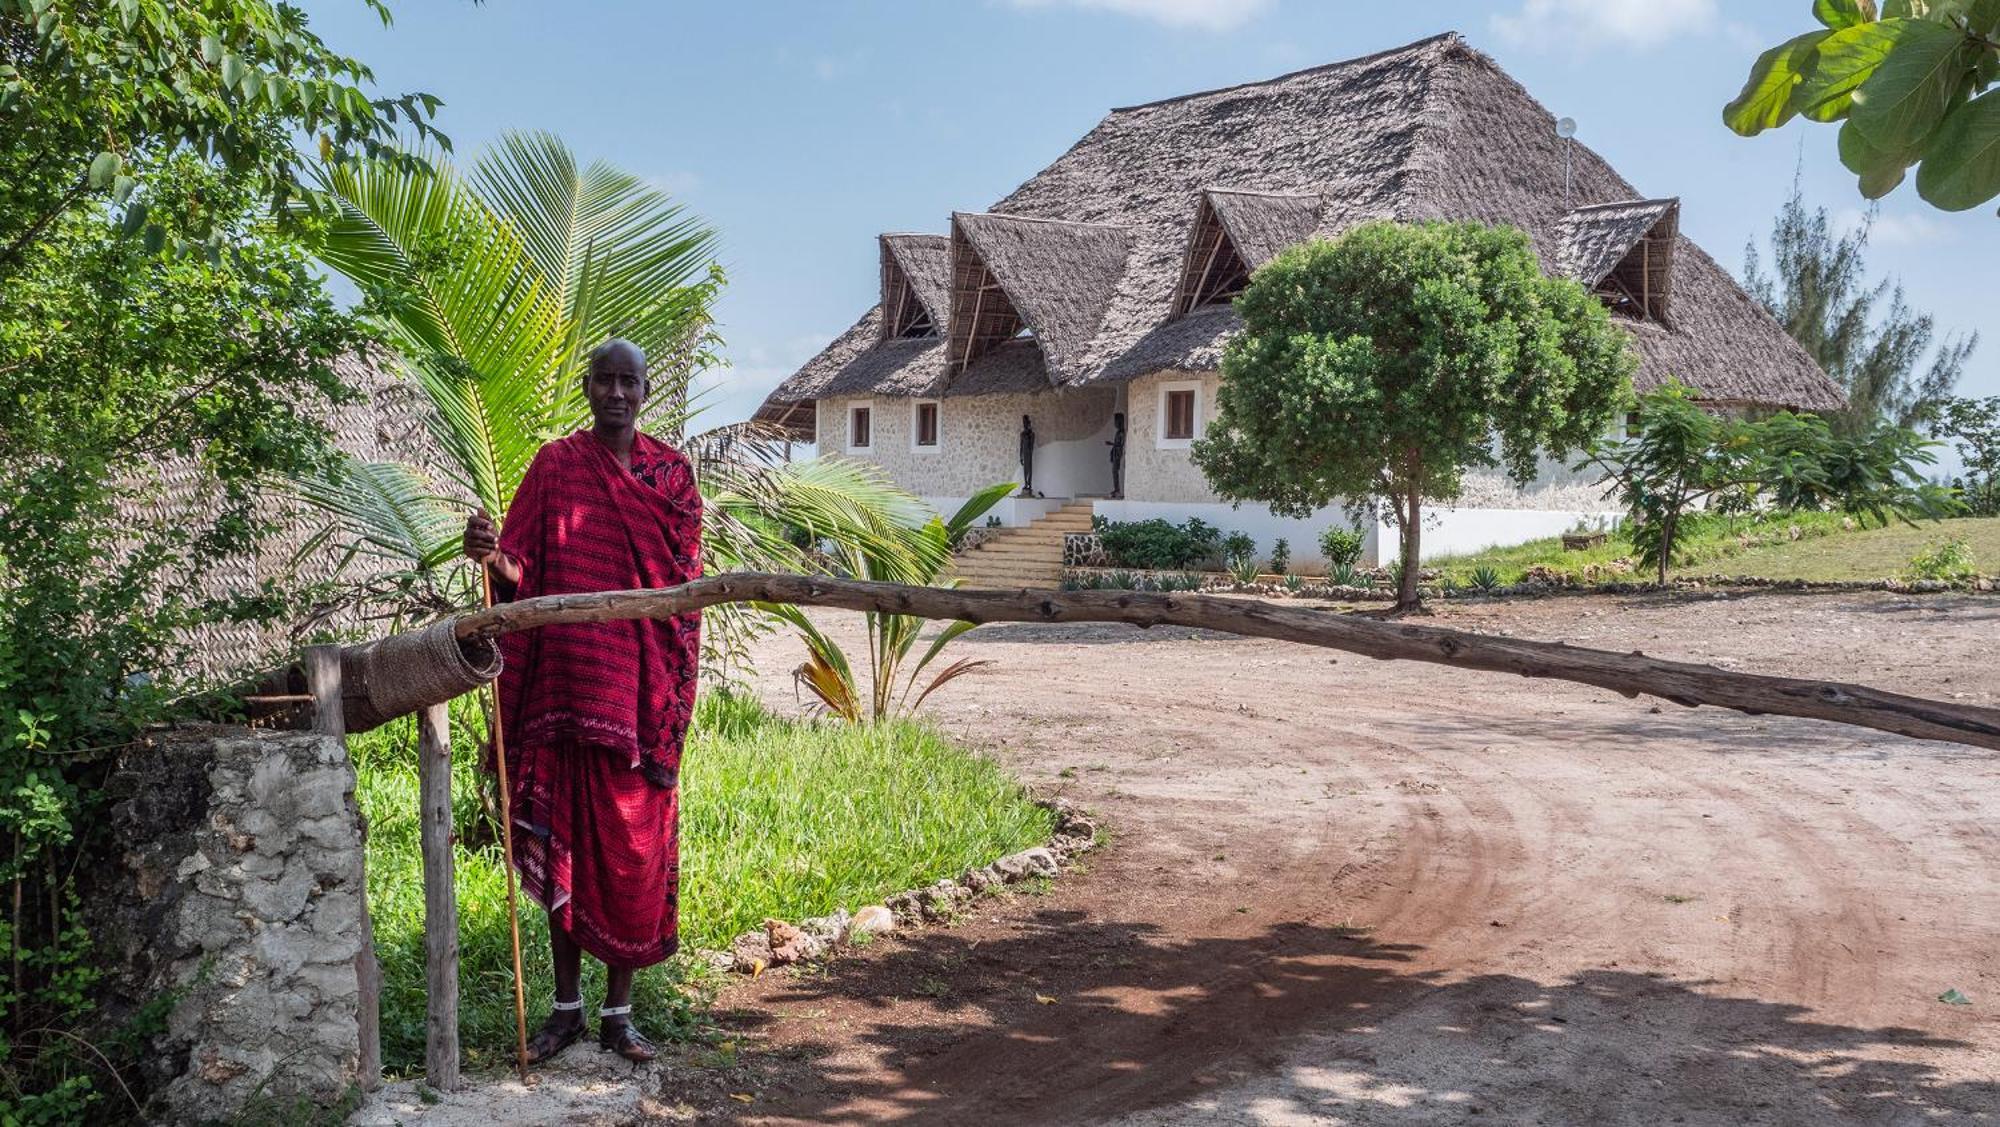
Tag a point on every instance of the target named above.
point(1113, 268)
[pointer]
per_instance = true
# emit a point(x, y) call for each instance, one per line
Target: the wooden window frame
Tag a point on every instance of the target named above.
point(854, 406)
point(917, 443)
point(1164, 439)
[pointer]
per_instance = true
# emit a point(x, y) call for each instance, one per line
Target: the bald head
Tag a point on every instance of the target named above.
point(615, 385)
point(619, 348)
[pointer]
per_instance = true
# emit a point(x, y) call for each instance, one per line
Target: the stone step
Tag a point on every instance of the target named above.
point(991, 551)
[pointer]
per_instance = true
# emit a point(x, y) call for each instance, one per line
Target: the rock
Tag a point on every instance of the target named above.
point(751, 952)
point(1037, 862)
point(979, 880)
point(942, 900)
point(827, 929)
point(875, 919)
point(790, 944)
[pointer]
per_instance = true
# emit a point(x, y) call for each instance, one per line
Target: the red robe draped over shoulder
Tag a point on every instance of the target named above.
point(595, 713)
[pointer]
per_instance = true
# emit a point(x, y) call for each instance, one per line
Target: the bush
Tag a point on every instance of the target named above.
point(1237, 547)
point(1158, 545)
point(1948, 560)
point(1340, 546)
point(1281, 557)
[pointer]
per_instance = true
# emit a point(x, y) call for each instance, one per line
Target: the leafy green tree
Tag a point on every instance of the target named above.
point(1909, 83)
point(117, 364)
point(1975, 423)
point(95, 93)
point(1681, 455)
point(1684, 456)
point(1383, 366)
point(1863, 334)
point(1802, 464)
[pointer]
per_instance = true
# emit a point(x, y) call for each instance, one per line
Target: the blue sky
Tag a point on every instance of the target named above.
point(801, 128)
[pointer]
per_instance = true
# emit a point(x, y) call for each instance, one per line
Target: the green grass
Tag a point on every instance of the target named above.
point(779, 817)
point(1872, 553)
point(1705, 543)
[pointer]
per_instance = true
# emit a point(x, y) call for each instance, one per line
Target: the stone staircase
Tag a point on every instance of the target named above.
point(1028, 556)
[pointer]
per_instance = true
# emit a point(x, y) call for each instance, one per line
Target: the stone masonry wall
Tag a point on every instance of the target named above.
point(240, 899)
point(979, 440)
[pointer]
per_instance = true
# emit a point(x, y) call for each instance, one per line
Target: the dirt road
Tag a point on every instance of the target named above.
point(1345, 891)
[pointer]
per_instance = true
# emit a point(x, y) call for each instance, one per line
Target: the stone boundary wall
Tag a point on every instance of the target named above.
point(239, 900)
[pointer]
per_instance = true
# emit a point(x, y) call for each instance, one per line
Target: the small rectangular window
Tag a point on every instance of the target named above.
point(1180, 414)
point(927, 424)
point(858, 421)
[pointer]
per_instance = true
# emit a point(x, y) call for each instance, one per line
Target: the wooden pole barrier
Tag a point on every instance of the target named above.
point(1681, 682)
point(440, 899)
point(323, 680)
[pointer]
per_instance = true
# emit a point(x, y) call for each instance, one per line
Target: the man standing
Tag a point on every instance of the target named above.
point(595, 713)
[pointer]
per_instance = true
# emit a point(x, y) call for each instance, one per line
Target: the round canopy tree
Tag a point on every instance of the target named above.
point(1380, 367)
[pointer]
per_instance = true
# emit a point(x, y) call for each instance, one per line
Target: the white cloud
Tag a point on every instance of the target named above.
point(1590, 23)
point(1891, 229)
point(1206, 15)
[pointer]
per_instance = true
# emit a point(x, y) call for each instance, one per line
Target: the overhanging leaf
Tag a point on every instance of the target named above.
point(1847, 58)
point(1963, 168)
point(1899, 105)
point(1766, 99)
point(1838, 14)
point(1879, 171)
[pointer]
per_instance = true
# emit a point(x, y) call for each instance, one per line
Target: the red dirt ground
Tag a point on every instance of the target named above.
point(1348, 891)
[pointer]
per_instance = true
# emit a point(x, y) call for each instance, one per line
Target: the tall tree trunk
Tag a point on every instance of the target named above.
point(1669, 525)
point(1411, 514)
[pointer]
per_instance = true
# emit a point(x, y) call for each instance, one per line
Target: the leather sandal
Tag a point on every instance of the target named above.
point(622, 1037)
point(553, 1042)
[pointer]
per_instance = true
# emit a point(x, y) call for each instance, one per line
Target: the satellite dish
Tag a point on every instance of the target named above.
point(1566, 128)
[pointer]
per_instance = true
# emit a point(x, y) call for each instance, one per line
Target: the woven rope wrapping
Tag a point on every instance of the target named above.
point(403, 673)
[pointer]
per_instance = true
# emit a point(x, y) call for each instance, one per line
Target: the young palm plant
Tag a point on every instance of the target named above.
point(491, 286)
point(830, 675)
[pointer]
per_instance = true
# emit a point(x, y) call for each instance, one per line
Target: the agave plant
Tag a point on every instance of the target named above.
point(1486, 579)
point(491, 285)
point(831, 676)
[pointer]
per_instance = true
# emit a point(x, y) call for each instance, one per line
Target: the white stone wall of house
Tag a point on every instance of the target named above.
point(1161, 480)
point(979, 444)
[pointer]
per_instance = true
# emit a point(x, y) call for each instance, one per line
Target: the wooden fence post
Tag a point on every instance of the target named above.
point(440, 899)
point(323, 680)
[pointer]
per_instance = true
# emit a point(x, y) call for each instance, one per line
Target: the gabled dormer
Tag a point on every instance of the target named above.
point(916, 286)
point(1047, 279)
point(1624, 252)
point(1234, 233)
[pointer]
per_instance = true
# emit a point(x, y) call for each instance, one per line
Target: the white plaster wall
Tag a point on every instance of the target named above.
point(1455, 531)
point(979, 441)
point(1256, 521)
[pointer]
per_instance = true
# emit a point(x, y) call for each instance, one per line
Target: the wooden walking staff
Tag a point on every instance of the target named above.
point(507, 848)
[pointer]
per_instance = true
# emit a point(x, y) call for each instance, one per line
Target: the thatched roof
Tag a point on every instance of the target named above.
point(1433, 130)
point(1054, 277)
point(916, 285)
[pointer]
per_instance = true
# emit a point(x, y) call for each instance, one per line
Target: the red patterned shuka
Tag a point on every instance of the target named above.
point(595, 713)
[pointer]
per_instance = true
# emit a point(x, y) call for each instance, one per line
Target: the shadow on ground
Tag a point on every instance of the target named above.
point(1075, 1019)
